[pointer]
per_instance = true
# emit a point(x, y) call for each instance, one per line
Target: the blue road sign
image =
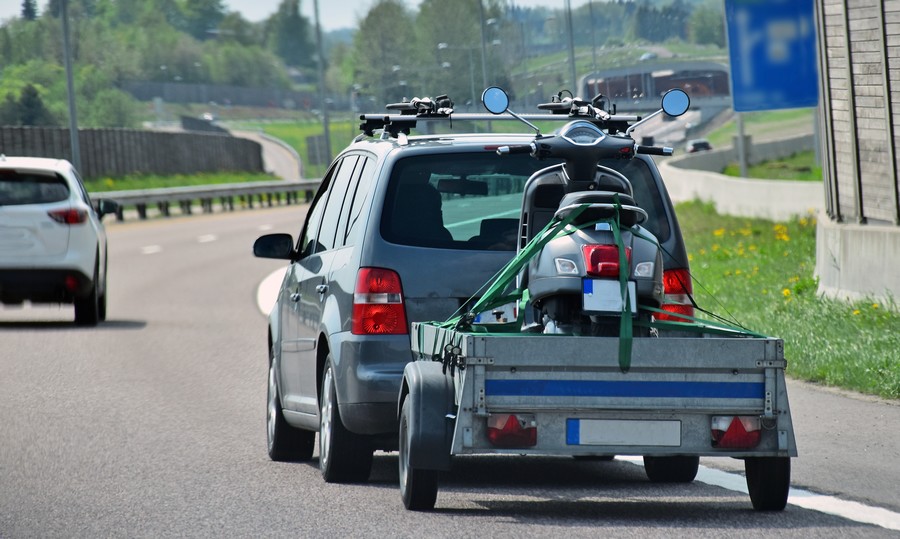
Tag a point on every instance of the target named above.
point(772, 47)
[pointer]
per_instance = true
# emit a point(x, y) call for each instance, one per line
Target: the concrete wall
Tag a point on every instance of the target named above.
point(697, 176)
point(859, 63)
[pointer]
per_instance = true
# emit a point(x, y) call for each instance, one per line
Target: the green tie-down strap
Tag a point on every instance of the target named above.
point(498, 293)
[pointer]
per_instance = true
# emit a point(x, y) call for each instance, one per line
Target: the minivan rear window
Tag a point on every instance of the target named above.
point(28, 188)
point(473, 200)
point(466, 201)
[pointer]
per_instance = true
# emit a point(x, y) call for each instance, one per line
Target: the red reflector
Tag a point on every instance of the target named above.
point(68, 217)
point(507, 430)
point(678, 288)
point(603, 260)
point(71, 283)
point(737, 432)
point(378, 303)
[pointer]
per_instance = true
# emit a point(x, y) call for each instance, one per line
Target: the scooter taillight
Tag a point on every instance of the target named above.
point(603, 260)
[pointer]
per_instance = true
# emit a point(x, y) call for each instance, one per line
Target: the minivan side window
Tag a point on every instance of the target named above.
point(307, 243)
point(336, 198)
point(365, 170)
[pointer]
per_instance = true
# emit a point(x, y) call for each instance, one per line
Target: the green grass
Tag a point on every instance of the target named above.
point(800, 166)
point(152, 181)
point(762, 273)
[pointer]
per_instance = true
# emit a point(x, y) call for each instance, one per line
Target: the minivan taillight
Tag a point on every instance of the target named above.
point(678, 290)
point(378, 303)
point(68, 217)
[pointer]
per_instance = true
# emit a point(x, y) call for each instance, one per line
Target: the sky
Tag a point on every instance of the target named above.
point(334, 13)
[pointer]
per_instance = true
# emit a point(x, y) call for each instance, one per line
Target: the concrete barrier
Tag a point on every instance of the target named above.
point(697, 176)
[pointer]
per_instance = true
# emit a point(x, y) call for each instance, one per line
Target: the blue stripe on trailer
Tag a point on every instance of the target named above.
point(593, 388)
point(573, 432)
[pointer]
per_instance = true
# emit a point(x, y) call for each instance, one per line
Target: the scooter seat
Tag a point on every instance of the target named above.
point(602, 206)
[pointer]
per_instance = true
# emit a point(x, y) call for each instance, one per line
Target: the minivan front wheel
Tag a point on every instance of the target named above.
point(344, 457)
point(284, 442)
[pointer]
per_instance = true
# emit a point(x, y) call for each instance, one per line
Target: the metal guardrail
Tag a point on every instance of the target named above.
point(265, 193)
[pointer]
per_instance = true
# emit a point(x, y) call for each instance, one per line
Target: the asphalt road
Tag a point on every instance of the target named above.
point(153, 425)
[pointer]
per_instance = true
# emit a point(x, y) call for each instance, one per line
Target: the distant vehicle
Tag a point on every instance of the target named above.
point(52, 240)
point(648, 56)
point(697, 145)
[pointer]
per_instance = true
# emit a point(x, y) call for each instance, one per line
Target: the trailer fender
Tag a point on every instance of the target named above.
point(430, 393)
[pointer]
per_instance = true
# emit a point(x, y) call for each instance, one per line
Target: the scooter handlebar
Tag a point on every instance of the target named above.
point(516, 148)
point(654, 150)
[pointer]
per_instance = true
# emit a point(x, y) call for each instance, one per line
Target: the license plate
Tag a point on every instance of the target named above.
point(617, 432)
point(605, 296)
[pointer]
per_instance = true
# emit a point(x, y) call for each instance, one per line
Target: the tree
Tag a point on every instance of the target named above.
point(28, 110)
point(707, 25)
point(29, 10)
point(201, 16)
point(288, 35)
point(382, 52)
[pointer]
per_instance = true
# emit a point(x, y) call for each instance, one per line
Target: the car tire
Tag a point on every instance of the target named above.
point(87, 308)
point(284, 442)
point(418, 488)
point(671, 469)
point(344, 457)
point(101, 301)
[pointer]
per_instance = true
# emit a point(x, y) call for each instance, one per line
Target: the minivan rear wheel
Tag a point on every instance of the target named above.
point(344, 457)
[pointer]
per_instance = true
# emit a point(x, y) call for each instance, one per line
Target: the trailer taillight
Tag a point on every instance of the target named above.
point(378, 303)
point(735, 432)
point(603, 260)
point(512, 431)
point(678, 290)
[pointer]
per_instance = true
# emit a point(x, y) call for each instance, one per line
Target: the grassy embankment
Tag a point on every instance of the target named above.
point(762, 274)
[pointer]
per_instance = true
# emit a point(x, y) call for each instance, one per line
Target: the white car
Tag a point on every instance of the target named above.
point(52, 240)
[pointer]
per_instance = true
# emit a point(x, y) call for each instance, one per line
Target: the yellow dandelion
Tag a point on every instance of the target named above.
point(855, 312)
point(874, 305)
point(804, 221)
point(752, 247)
point(786, 292)
point(715, 247)
point(738, 272)
point(719, 232)
point(690, 257)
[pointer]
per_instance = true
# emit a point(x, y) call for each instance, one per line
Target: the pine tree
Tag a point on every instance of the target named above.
point(29, 10)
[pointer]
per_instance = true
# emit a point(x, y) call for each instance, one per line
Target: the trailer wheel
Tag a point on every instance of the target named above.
point(418, 487)
point(768, 480)
point(671, 469)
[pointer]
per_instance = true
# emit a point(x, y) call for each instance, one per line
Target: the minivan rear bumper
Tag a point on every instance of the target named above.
point(368, 372)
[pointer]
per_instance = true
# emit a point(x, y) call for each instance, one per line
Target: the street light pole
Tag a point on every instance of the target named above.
point(70, 86)
point(321, 65)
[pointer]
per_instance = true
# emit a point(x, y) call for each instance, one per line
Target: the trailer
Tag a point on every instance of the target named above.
point(716, 394)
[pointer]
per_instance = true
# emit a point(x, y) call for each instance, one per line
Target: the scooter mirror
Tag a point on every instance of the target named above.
point(675, 102)
point(495, 100)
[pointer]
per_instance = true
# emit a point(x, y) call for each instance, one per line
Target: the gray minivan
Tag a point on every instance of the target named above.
point(402, 229)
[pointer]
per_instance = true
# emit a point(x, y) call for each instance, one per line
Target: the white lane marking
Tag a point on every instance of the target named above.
point(267, 292)
point(831, 505)
point(480, 219)
point(207, 238)
point(151, 249)
point(264, 228)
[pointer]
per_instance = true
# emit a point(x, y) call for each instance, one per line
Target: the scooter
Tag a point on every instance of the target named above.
point(600, 265)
